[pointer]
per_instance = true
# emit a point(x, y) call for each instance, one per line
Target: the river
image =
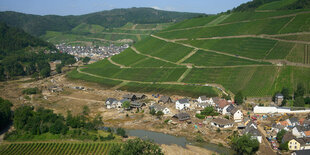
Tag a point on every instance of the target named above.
point(161, 138)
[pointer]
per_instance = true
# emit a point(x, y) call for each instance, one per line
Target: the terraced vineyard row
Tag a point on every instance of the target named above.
point(56, 148)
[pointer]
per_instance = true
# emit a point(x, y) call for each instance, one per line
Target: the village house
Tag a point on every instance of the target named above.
point(236, 114)
point(158, 107)
point(222, 123)
point(140, 96)
point(111, 103)
point(299, 144)
point(220, 105)
point(279, 98)
point(130, 97)
point(182, 116)
point(202, 105)
point(182, 104)
point(251, 129)
point(137, 105)
point(165, 99)
point(297, 131)
point(227, 109)
point(202, 99)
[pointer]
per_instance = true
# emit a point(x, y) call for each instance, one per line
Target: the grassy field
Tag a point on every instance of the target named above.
point(162, 49)
point(56, 148)
point(255, 48)
point(203, 58)
point(297, 54)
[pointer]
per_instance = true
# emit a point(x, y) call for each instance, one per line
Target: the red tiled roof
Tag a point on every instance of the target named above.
point(284, 123)
point(223, 103)
point(301, 121)
point(307, 133)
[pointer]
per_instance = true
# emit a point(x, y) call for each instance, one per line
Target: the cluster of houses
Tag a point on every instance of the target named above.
point(297, 133)
point(135, 101)
point(222, 106)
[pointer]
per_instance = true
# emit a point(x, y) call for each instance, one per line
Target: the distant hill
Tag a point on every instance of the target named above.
point(13, 39)
point(273, 5)
point(258, 51)
point(38, 25)
point(23, 54)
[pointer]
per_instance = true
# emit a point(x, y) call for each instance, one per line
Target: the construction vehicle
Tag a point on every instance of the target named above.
point(278, 120)
point(267, 128)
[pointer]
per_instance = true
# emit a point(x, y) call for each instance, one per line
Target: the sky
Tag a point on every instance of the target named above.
point(78, 7)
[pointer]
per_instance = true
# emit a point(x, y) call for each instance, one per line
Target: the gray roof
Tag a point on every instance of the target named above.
point(293, 120)
point(302, 152)
point(287, 137)
point(222, 121)
point(139, 95)
point(164, 99)
point(124, 100)
point(203, 97)
point(182, 116)
point(111, 100)
point(157, 107)
point(302, 128)
point(279, 95)
point(234, 111)
point(128, 96)
point(136, 104)
point(230, 108)
point(183, 100)
point(252, 131)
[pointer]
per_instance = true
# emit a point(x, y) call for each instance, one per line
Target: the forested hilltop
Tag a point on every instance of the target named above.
point(22, 54)
point(273, 5)
point(38, 25)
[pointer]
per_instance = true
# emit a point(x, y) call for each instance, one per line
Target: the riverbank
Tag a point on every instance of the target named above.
point(189, 150)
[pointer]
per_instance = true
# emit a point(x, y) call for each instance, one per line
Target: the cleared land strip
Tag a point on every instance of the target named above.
point(81, 99)
point(114, 63)
point(188, 56)
point(208, 50)
point(120, 85)
point(184, 74)
point(244, 21)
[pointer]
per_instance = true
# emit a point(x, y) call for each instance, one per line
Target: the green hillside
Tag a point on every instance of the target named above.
point(23, 54)
point(38, 25)
point(255, 51)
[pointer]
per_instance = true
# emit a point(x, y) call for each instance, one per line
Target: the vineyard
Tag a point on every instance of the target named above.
point(238, 51)
point(64, 148)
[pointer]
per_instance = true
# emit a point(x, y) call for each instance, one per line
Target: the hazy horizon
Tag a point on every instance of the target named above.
point(79, 7)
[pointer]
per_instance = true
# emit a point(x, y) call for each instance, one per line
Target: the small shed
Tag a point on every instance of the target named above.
point(182, 116)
